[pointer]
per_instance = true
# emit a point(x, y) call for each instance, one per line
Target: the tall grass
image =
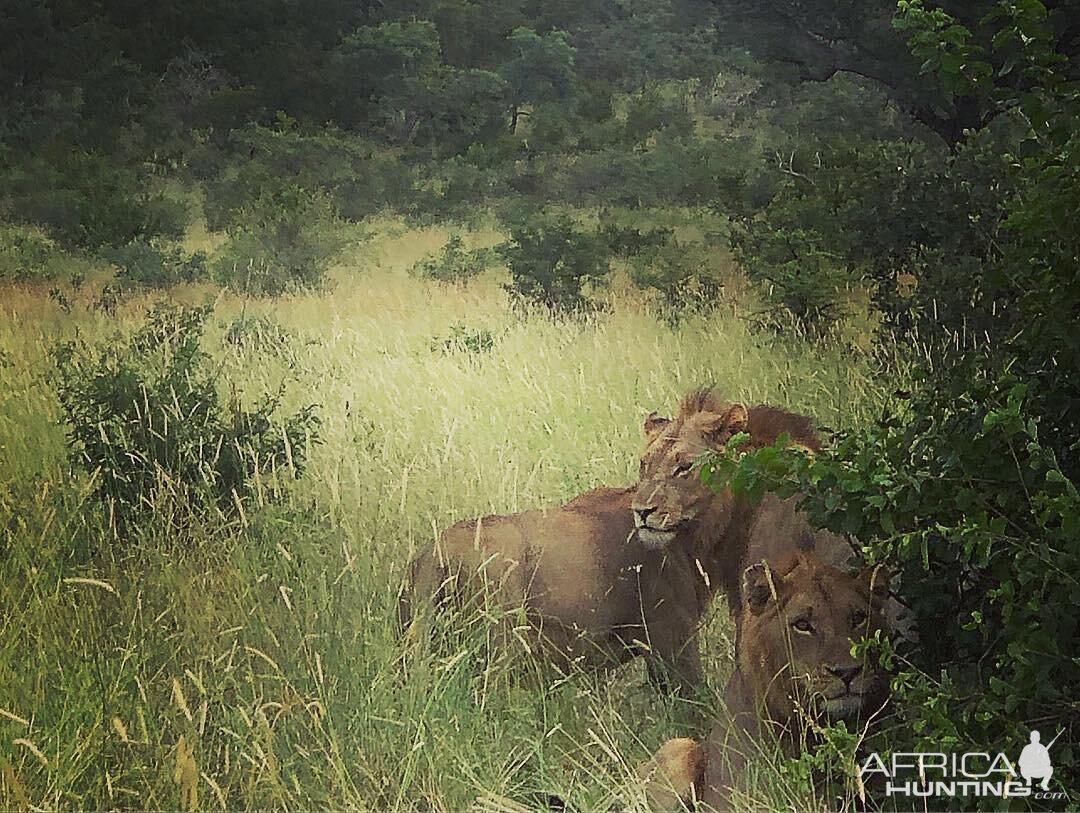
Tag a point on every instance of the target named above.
point(258, 665)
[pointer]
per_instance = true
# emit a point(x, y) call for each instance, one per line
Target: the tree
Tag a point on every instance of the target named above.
point(540, 73)
point(818, 39)
point(388, 74)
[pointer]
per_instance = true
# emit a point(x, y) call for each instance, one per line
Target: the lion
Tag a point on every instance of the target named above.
point(794, 668)
point(595, 593)
point(675, 511)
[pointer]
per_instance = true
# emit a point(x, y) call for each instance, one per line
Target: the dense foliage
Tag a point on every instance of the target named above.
point(146, 421)
point(967, 488)
point(553, 262)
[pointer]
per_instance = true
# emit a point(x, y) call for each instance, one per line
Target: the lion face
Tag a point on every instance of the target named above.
point(800, 618)
point(670, 496)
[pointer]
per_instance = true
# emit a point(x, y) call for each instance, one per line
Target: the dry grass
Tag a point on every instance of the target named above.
point(255, 664)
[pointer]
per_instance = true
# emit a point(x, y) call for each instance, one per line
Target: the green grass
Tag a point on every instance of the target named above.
point(267, 643)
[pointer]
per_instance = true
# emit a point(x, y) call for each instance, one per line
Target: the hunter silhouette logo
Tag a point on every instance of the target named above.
point(1034, 762)
point(924, 774)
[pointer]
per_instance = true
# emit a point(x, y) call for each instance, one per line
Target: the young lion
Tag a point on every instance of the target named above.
point(594, 592)
point(793, 665)
point(676, 512)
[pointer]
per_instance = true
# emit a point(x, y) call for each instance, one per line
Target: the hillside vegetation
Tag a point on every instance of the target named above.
point(287, 286)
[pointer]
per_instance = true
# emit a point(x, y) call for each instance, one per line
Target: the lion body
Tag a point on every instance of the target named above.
point(594, 596)
point(784, 677)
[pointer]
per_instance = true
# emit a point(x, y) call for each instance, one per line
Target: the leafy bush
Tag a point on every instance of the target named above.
point(28, 254)
point(88, 201)
point(454, 263)
point(287, 242)
point(145, 420)
point(958, 495)
point(153, 264)
point(382, 183)
point(285, 156)
point(658, 108)
point(685, 276)
point(552, 262)
point(803, 283)
point(628, 241)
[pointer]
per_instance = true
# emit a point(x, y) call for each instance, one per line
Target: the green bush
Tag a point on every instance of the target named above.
point(658, 108)
point(552, 262)
point(145, 420)
point(804, 285)
point(28, 254)
point(287, 242)
point(627, 242)
point(277, 159)
point(382, 183)
point(87, 201)
point(684, 276)
point(454, 263)
point(958, 495)
point(153, 264)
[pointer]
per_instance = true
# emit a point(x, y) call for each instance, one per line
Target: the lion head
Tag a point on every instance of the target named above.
point(799, 620)
point(670, 496)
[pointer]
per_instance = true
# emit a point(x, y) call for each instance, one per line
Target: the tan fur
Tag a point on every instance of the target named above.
point(784, 679)
point(593, 594)
point(672, 773)
point(674, 510)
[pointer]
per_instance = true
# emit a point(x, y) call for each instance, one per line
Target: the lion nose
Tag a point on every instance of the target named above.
point(846, 673)
point(643, 512)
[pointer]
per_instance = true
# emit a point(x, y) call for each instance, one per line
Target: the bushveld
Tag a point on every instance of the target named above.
point(251, 660)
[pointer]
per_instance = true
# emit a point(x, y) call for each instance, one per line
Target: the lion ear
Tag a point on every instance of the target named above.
point(654, 423)
point(736, 418)
point(877, 579)
point(726, 423)
point(759, 587)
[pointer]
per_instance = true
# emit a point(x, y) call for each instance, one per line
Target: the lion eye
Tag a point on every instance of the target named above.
point(858, 618)
point(803, 626)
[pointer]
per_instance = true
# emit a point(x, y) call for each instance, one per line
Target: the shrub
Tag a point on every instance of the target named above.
point(552, 262)
point(454, 263)
point(628, 241)
point(957, 494)
point(383, 182)
point(87, 201)
point(145, 420)
point(658, 108)
point(801, 281)
point(685, 276)
point(287, 242)
point(155, 265)
point(284, 158)
point(28, 254)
